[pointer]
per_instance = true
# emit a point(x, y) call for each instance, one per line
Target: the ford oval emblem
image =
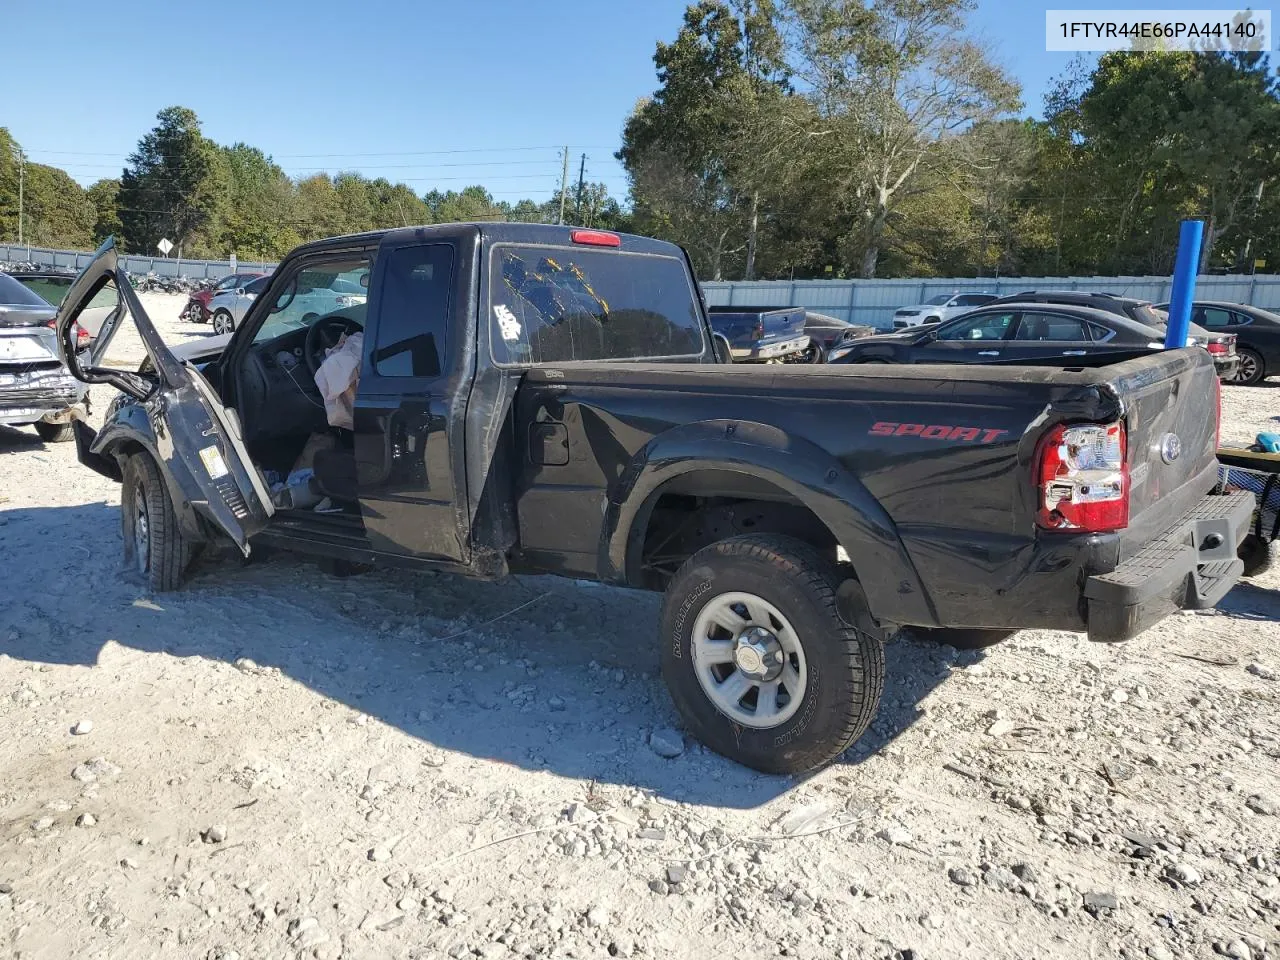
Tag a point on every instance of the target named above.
point(1170, 447)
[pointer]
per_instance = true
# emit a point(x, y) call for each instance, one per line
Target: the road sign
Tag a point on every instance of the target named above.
point(164, 246)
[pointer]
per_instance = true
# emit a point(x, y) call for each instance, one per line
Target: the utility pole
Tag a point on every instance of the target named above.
point(22, 177)
point(564, 184)
point(582, 171)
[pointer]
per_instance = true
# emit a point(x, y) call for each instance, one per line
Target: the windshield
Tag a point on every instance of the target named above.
point(15, 294)
point(1148, 314)
point(313, 293)
point(553, 304)
point(938, 301)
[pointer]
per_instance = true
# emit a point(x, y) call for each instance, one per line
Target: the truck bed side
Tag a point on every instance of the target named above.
point(933, 467)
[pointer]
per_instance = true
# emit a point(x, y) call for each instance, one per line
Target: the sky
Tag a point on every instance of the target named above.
point(434, 93)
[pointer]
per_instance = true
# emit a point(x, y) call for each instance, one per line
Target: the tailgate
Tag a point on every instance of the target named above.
point(782, 324)
point(1171, 415)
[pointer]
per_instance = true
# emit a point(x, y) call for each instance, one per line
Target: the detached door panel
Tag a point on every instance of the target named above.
point(195, 434)
point(404, 443)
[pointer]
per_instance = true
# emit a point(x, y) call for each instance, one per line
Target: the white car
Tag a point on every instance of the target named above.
point(939, 308)
point(329, 294)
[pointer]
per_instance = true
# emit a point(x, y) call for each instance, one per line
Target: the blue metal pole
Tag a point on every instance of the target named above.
point(1183, 294)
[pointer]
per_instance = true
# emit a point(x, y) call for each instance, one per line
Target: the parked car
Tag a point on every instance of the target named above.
point(35, 386)
point(198, 310)
point(1221, 346)
point(826, 333)
point(544, 399)
point(228, 307)
point(1008, 333)
point(939, 308)
point(51, 286)
point(763, 334)
point(1257, 334)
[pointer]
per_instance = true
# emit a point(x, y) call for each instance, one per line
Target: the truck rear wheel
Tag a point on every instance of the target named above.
point(759, 662)
point(154, 545)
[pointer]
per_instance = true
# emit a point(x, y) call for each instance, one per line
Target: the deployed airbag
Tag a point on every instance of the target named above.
point(337, 379)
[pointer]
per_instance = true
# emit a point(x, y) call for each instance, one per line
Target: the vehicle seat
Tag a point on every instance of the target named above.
point(1037, 329)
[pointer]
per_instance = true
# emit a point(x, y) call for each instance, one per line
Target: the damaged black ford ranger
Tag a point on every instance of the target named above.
point(551, 400)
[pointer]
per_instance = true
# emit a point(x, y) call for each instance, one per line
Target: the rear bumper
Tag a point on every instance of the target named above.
point(1226, 367)
point(38, 395)
point(771, 351)
point(1189, 567)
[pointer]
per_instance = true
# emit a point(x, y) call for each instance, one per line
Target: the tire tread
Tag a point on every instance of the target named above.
point(171, 551)
point(863, 655)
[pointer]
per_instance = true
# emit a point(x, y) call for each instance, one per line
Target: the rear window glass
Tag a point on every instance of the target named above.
point(15, 294)
point(559, 304)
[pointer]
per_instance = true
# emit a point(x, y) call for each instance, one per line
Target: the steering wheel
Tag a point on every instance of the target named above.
point(324, 335)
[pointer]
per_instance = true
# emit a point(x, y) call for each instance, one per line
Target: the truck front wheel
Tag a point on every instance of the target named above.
point(759, 662)
point(154, 545)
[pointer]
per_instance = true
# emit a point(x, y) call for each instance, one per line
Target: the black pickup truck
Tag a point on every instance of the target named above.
point(550, 400)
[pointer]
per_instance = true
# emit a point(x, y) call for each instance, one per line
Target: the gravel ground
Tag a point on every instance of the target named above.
point(277, 763)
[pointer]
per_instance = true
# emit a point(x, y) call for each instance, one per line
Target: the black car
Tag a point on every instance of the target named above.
point(1257, 334)
point(1221, 346)
point(1008, 332)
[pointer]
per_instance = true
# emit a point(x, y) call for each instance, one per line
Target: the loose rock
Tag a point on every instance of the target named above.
point(667, 743)
point(899, 836)
point(1101, 901)
point(82, 727)
point(1261, 805)
point(215, 834)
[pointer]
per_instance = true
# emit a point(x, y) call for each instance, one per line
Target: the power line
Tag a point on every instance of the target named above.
point(389, 153)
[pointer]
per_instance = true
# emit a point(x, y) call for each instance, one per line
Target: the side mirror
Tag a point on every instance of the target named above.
point(720, 343)
point(239, 291)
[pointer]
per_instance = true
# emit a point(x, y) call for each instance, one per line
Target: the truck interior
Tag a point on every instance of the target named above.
point(290, 426)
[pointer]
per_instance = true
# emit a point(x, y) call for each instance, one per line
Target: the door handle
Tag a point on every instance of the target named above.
point(1073, 353)
point(988, 353)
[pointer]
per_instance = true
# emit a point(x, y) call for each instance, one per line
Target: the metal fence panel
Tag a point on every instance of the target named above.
point(859, 301)
point(874, 301)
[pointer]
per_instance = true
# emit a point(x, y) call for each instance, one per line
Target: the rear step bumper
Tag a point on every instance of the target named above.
point(1189, 567)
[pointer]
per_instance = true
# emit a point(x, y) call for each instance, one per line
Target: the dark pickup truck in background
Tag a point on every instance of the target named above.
point(762, 334)
point(545, 399)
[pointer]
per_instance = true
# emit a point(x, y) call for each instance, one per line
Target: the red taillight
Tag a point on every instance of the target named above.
point(1217, 349)
point(1083, 477)
point(596, 238)
point(82, 335)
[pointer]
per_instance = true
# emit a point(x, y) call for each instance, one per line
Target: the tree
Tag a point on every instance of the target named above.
point(105, 197)
point(54, 209)
point(891, 81)
point(257, 218)
point(1147, 139)
point(174, 185)
point(710, 134)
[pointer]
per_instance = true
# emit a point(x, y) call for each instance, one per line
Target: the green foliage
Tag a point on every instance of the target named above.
point(105, 197)
point(212, 201)
point(55, 210)
point(872, 137)
point(173, 186)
